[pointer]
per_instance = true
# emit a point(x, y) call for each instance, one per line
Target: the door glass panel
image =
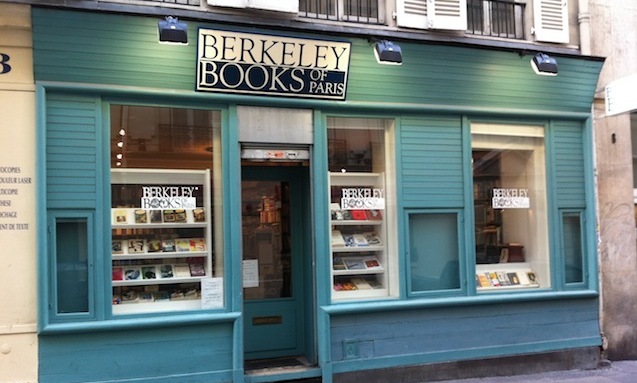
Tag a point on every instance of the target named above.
point(266, 240)
point(72, 265)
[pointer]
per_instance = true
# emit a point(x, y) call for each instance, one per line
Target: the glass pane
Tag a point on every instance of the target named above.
point(266, 240)
point(166, 188)
point(356, 145)
point(572, 248)
point(433, 252)
point(509, 190)
point(362, 205)
point(72, 265)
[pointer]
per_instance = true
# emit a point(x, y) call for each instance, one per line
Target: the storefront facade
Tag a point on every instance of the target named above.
point(262, 194)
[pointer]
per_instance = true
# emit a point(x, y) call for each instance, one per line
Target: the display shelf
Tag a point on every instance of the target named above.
point(162, 255)
point(157, 281)
point(161, 239)
point(359, 243)
point(506, 276)
point(151, 307)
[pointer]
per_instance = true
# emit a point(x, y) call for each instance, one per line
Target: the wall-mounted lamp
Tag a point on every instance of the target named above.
point(544, 65)
point(172, 31)
point(387, 52)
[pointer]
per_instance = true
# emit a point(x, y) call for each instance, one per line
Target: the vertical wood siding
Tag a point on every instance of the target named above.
point(71, 152)
point(187, 354)
point(431, 162)
point(568, 142)
point(441, 334)
point(102, 48)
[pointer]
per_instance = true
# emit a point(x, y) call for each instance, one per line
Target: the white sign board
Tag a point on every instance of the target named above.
point(620, 95)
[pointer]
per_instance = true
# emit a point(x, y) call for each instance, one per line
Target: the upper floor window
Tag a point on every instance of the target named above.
point(498, 18)
point(358, 11)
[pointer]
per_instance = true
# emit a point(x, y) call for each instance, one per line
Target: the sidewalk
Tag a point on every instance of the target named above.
point(620, 371)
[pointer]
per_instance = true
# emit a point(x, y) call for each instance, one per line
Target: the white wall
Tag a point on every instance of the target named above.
point(18, 281)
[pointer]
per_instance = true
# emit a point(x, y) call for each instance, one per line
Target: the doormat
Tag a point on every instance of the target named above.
point(260, 364)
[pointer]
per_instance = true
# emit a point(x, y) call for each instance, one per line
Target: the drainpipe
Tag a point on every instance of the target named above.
point(584, 20)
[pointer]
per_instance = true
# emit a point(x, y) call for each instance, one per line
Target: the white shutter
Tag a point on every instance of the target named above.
point(227, 3)
point(432, 14)
point(291, 6)
point(411, 13)
point(551, 21)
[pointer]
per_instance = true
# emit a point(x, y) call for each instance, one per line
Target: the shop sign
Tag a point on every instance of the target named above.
point(168, 197)
point(620, 96)
point(233, 62)
point(511, 199)
point(362, 199)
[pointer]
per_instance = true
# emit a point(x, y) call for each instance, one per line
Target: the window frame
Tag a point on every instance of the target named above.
point(461, 247)
point(92, 272)
point(581, 213)
point(106, 209)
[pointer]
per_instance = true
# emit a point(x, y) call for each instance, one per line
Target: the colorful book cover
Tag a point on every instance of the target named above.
point(197, 270)
point(118, 273)
point(197, 244)
point(182, 244)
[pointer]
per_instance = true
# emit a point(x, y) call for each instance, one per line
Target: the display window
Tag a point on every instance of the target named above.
point(362, 205)
point(165, 194)
point(510, 207)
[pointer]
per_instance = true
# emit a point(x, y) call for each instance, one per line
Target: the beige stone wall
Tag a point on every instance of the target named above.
point(613, 35)
point(18, 281)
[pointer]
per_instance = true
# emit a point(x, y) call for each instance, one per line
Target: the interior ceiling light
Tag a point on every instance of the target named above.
point(387, 52)
point(544, 65)
point(173, 31)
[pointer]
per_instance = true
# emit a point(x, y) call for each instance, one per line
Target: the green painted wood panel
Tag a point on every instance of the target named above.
point(431, 162)
point(455, 333)
point(71, 151)
point(195, 353)
point(85, 47)
point(569, 151)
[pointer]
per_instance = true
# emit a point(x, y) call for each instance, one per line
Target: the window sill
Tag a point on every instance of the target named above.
point(482, 299)
point(138, 323)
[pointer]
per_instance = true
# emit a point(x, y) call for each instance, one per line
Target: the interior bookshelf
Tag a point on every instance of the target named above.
point(359, 236)
point(161, 239)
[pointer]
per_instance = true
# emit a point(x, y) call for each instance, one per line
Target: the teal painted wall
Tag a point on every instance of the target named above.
point(96, 48)
point(99, 48)
point(570, 157)
point(192, 353)
point(431, 162)
point(429, 335)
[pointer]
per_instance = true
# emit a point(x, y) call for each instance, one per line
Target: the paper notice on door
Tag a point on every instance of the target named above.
point(250, 273)
point(211, 293)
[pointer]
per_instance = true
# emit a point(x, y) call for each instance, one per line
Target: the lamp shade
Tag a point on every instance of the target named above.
point(544, 64)
point(172, 31)
point(387, 52)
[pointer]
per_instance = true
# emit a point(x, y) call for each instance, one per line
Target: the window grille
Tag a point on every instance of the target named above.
point(357, 11)
point(497, 18)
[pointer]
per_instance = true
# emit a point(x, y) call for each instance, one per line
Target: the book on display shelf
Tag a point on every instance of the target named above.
point(168, 245)
point(153, 245)
point(117, 247)
point(155, 216)
point(181, 270)
point(337, 239)
point(197, 269)
point(135, 246)
point(132, 273)
point(141, 216)
point(199, 215)
point(117, 274)
point(149, 272)
point(166, 271)
point(197, 244)
point(373, 215)
point(182, 244)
